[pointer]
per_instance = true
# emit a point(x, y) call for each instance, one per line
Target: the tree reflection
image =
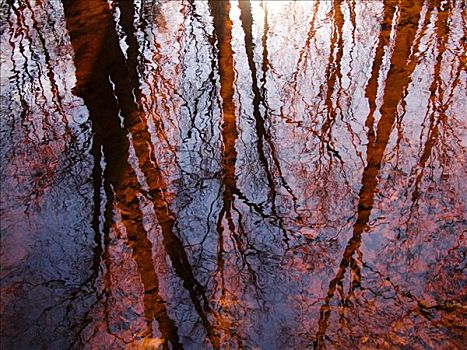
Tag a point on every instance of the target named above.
point(279, 175)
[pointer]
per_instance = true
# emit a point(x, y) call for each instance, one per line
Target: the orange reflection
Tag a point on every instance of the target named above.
point(233, 174)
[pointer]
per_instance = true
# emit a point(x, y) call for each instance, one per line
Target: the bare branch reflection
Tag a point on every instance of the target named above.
point(233, 174)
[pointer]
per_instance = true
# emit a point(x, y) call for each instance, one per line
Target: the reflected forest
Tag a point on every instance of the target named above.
point(233, 174)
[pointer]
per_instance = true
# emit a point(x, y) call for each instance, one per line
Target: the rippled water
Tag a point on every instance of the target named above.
point(252, 175)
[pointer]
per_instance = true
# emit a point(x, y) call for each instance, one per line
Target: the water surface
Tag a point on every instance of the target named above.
point(233, 175)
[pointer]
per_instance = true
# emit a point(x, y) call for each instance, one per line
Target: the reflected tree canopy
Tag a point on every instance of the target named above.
point(233, 174)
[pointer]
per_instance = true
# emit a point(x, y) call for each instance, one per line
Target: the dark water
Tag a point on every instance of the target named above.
point(253, 175)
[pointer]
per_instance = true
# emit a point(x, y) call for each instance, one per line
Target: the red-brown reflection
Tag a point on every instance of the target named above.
point(106, 87)
point(397, 82)
point(274, 175)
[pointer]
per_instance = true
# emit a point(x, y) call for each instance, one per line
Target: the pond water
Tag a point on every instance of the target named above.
point(233, 175)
